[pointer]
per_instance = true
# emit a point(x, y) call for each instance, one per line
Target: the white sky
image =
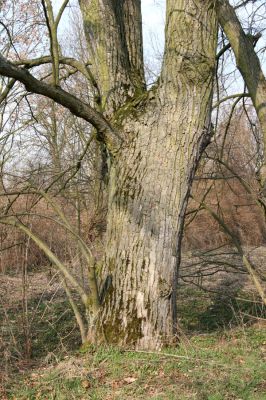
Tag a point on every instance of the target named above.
point(153, 15)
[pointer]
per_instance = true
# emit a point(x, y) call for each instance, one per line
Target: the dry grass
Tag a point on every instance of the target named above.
point(221, 354)
point(214, 367)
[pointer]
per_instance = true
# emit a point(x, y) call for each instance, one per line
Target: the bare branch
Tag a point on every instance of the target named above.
point(60, 12)
point(52, 25)
point(246, 59)
point(49, 17)
point(244, 3)
point(250, 268)
point(77, 314)
point(7, 89)
point(72, 62)
point(80, 109)
point(232, 96)
point(52, 257)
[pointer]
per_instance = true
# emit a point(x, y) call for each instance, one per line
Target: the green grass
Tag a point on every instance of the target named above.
point(221, 356)
point(204, 312)
point(212, 366)
point(54, 322)
point(52, 329)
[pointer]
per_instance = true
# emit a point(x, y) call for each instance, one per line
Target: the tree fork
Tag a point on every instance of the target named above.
point(154, 156)
point(150, 180)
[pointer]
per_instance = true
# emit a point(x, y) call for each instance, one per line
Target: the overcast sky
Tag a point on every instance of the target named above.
point(153, 15)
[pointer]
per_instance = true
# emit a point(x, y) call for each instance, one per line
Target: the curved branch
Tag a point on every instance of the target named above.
point(232, 96)
point(72, 62)
point(9, 36)
point(247, 60)
point(52, 257)
point(80, 109)
point(60, 13)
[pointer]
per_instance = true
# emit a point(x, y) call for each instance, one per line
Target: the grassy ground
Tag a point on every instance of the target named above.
point(217, 366)
point(222, 355)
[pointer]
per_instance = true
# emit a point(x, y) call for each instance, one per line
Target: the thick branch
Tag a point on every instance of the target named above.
point(184, 60)
point(133, 32)
point(72, 62)
point(246, 59)
point(67, 100)
point(113, 33)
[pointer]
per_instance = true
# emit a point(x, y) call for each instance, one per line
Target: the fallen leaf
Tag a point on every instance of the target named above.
point(115, 384)
point(130, 379)
point(85, 384)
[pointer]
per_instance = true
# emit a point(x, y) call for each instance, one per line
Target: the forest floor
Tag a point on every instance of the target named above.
point(222, 351)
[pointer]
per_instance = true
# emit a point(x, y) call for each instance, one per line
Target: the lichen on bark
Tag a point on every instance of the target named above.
point(151, 172)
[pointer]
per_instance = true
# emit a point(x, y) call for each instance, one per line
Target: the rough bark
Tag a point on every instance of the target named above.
point(150, 181)
point(113, 30)
point(114, 35)
point(164, 132)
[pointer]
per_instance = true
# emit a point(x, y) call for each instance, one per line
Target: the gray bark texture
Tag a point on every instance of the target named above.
point(152, 141)
point(164, 131)
point(114, 35)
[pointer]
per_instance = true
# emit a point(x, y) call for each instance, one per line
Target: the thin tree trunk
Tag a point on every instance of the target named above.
point(249, 65)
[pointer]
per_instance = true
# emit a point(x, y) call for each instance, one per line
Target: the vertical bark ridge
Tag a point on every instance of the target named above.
point(133, 34)
point(150, 181)
point(188, 48)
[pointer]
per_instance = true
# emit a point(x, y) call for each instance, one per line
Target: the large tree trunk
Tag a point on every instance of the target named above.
point(164, 131)
point(153, 140)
